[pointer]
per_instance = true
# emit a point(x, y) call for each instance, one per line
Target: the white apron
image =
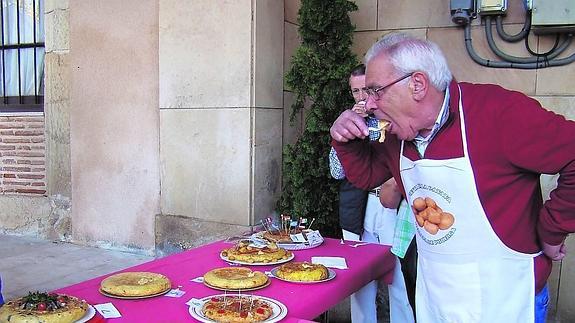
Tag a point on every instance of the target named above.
point(464, 273)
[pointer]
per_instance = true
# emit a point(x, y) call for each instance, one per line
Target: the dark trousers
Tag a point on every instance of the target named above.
point(409, 271)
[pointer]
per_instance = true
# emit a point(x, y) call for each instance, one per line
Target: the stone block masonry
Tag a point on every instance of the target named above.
point(22, 155)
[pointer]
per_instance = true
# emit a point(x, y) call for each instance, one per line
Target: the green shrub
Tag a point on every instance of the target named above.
point(318, 75)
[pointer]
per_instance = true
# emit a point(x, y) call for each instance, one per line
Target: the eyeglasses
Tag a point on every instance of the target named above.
point(374, 93)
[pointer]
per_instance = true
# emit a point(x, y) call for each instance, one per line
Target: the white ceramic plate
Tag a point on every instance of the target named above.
point(268, 282)
point(291, 246)
point(279, 309)
point(299, 246)
point(277, 262)
point(330, 276)
point(134, 297)
point(89, 314)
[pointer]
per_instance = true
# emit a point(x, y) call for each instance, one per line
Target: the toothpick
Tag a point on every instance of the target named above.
point(309, 227)
point(288, 225)
point(266, 227)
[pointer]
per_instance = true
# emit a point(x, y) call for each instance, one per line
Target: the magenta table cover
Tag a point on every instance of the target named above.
point(304, 301)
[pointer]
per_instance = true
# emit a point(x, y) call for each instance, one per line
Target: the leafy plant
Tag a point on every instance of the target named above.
point(319, 76)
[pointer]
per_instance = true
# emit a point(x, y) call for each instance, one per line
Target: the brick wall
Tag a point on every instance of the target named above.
point(22, 155)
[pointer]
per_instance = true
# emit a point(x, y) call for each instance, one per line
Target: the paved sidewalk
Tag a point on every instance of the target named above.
point(29, 264)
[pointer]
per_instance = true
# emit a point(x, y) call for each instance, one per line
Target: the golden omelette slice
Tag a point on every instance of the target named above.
point(135, 284)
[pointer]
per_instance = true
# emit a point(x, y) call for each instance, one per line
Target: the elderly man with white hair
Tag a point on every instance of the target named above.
point(475, 152)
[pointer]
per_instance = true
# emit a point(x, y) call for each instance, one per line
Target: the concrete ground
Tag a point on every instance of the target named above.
point(28, 264)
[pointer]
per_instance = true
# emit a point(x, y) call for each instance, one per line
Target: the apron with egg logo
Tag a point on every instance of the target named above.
point(464, 271)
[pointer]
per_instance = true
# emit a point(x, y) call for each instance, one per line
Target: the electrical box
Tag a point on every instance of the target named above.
point(552, 16)
point(491, 7)
point(462, 11)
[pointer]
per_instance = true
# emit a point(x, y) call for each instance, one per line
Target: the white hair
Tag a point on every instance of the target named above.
point(409, 54)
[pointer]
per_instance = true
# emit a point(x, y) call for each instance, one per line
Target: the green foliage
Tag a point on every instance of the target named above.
point(319, 74)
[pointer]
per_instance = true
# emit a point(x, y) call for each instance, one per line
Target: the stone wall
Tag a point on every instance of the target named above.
point(57, 119)
point(114, 122)
point(220, 118)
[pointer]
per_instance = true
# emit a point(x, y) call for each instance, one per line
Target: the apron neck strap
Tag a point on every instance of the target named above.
point(462, 126)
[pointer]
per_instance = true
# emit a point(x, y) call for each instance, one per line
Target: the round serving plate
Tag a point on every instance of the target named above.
point(277, 262)
point(89, 314)
point(330, 276)
point(279, 310)
point(291, 246)
point(133, 297)
point(268, 282)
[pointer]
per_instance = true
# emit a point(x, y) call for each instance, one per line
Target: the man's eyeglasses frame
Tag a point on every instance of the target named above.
point(374, 93)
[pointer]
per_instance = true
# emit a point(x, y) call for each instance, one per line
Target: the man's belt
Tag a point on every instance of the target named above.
point(375, 191)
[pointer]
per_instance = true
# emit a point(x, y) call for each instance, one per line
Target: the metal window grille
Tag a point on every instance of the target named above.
point(22, 56)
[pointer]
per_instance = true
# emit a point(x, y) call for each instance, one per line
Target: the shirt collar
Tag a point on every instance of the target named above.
point(439, 122)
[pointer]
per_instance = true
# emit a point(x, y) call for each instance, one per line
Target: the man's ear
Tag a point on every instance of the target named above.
point(418, 85)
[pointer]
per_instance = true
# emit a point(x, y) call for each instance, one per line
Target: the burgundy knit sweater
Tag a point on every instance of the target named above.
point(511, 141)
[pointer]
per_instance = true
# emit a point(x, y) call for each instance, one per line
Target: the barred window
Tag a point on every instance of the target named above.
point(22, 56)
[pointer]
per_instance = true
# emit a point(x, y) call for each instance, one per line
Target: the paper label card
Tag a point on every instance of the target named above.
point(107, 310)
point(314, 237)
point(175, 293)
point(198, 279)
point(332, 262)
point(194, 302)
point(297, 237)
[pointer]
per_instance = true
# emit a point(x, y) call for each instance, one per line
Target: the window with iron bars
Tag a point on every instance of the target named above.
point(22, 56)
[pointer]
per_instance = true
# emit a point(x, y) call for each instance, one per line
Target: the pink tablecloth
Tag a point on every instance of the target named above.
point(304, 301)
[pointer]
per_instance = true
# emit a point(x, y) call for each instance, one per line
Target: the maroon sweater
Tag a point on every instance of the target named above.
point(511, 141)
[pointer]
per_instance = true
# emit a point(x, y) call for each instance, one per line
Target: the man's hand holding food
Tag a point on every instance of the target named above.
point(348, 126)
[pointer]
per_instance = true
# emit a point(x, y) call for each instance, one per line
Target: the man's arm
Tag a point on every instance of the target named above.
point(554, 252)
point(542, 142)
point(364, 162)
point(390, 195)
point(335, 167)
